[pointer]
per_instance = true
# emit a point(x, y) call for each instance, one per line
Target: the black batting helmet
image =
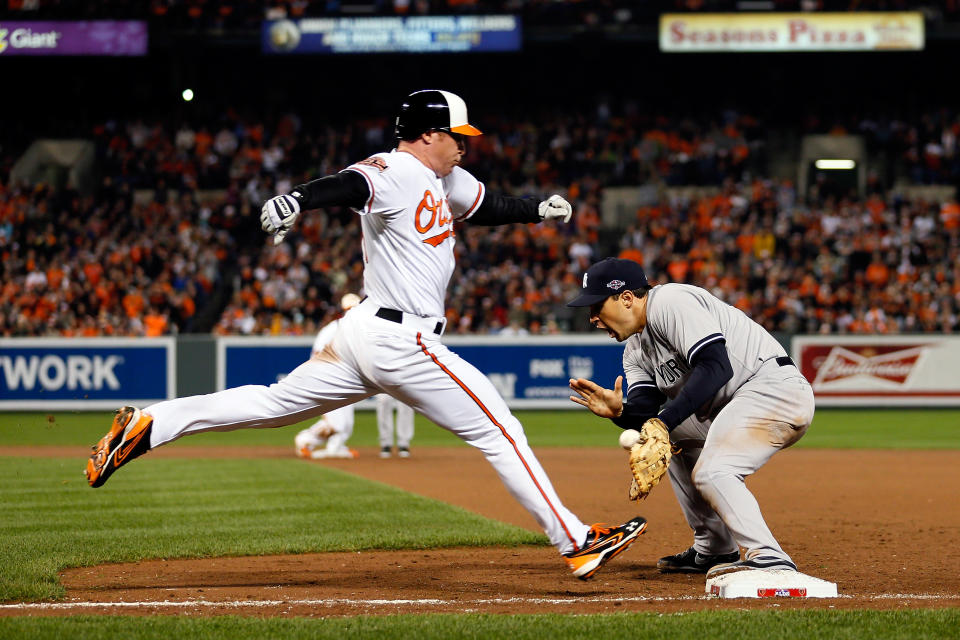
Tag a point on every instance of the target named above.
point(432, 109)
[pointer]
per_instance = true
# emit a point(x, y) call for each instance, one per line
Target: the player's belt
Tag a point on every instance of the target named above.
point(786, 361)
point(393, 315)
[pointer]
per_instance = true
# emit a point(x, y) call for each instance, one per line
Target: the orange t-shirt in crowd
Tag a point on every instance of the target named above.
point(155, 324)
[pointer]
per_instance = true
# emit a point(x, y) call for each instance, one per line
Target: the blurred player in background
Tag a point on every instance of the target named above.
point(327, 438)
point(387, 406)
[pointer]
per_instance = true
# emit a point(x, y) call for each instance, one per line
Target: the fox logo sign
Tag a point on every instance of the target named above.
point(53, 372)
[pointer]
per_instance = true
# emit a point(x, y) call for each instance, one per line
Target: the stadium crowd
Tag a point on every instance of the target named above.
point(630, 147)
point(922, 147)
point(234, 14)
point(186, 254)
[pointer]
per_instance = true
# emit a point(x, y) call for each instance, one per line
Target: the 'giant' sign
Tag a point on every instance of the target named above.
point(73, 38)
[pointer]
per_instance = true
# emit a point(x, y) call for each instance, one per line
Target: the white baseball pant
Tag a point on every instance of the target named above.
point(370, 354)
point(386, 405)
point(340, 420)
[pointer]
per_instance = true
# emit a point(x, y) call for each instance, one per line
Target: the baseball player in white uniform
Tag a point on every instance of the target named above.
point(408, 200)
point(726, 390)
point(327, 437)
point(387, 407)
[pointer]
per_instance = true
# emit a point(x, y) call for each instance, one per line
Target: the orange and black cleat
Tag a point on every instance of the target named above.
point(602, 544)
point(129, 437)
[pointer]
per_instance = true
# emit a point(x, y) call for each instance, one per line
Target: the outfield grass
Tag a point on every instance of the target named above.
point(46, 526)
point(832, 428)
point(719, 625)
point(220, 508)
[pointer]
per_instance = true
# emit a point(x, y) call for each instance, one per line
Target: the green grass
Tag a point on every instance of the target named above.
point(246, 507)
point(832, 428)
point(884, 429)
point(719, 625)
point(51, 520)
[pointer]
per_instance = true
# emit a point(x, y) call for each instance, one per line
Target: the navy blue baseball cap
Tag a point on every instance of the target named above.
point(608, 277)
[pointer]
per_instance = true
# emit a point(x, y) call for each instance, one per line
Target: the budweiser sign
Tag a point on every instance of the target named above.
point(881, 370)
point(892, 363)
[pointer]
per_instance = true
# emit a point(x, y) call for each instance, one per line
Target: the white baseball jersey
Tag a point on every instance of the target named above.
point(408, 241)
point(681, 320)
point(408, 235)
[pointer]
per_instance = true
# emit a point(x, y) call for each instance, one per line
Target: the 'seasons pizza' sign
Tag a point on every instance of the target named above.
point(766, 32)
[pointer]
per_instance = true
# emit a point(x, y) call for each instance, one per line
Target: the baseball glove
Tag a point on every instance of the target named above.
point(649, 458)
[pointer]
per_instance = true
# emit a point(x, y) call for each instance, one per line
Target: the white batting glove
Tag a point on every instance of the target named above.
point(278, 215)
point(555, 208)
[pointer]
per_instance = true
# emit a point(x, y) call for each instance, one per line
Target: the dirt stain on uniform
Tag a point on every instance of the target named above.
point(326, 355)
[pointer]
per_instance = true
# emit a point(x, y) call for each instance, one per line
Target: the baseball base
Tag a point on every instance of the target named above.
point(770, 583)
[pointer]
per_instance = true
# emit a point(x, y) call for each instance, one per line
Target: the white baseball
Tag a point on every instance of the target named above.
point(629, 438)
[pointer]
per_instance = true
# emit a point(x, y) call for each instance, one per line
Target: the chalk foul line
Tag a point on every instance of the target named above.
point(379, 602)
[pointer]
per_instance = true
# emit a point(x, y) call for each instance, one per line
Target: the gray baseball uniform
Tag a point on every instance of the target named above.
point(766, 406)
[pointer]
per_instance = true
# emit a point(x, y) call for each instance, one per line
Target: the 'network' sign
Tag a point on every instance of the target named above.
point(38, 373)
point(53, 373)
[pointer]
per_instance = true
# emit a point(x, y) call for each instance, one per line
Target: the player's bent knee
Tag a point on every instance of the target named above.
point(707, 477)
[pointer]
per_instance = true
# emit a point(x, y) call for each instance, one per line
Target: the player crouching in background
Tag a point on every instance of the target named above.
point(327, 438)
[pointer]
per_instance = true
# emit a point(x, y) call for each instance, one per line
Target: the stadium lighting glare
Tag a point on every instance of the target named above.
point(187, 95)
point(835, 164)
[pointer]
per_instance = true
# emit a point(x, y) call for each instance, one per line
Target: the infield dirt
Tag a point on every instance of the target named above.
point(845, 516)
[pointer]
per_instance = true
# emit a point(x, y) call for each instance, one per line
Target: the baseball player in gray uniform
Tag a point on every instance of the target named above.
point(408, 201)
point(725, 389)
point(387, 408)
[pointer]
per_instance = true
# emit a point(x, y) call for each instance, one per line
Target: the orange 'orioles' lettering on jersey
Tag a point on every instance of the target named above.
point(437, 239)
point(438, 216)
point(375, 162)
point(430, 204)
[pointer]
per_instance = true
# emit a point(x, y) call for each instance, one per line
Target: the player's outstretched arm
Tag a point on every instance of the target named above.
point(642, 402)
point(497, 209)
point(606, 403)
point(279, 213)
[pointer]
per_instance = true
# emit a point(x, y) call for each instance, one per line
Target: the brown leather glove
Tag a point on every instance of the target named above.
point(649, 458)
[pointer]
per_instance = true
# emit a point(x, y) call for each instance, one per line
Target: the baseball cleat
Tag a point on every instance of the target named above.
point(758, 562)
point(128, 438)
point(403, 452)
point(691, 561)
point(385, 452)
point(602, 544)
point(304, 452)
point(321, 454)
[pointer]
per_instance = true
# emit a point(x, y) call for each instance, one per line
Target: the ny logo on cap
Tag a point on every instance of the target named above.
point(615, 284)
point(584, 280)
